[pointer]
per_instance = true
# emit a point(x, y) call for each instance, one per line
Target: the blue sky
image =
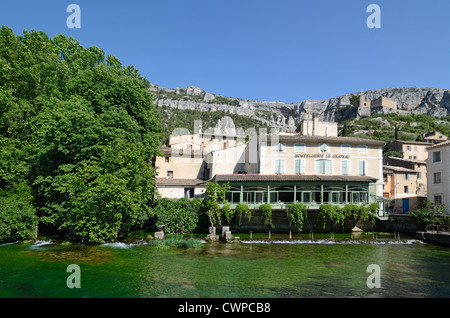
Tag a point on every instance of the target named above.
point(284, 50)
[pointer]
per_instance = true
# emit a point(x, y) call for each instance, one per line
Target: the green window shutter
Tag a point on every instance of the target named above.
point(319, 167)
point(323, 147)
point(299, 147)
point(362, 168)
point(345, 148)
point(328, 167)
point(345, 167)
point(280, 147)
point(323, 166)
point(279, 166)
point(299, 166)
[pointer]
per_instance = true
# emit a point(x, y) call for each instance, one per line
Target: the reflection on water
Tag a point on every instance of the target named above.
point(251, 268)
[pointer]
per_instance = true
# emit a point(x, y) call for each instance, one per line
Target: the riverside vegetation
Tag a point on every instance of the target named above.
point(77, 132)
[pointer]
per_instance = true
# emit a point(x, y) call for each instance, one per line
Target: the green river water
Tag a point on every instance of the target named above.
point(248, 269)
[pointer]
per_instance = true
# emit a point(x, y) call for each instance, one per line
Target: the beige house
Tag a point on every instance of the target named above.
point(412, 150)
point(419, 166)
point(189, 159)
point(400, 186)
point(434, 137)
point(178, 172)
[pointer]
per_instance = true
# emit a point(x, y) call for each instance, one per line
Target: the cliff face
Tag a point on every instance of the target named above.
point(414, 100)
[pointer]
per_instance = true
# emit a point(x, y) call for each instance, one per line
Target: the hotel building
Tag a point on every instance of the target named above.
point(312, 166)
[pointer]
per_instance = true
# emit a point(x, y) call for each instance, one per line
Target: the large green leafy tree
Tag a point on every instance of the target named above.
point(80, 129)
point(178, 216)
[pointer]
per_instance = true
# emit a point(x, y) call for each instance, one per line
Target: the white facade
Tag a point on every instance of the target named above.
point(438, 176)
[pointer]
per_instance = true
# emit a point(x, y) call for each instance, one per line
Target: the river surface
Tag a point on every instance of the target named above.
point(248, 269)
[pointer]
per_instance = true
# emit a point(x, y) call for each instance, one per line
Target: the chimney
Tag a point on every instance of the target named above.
point(315, 123)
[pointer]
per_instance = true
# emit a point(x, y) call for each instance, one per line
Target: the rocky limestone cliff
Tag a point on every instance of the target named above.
point(413, 100)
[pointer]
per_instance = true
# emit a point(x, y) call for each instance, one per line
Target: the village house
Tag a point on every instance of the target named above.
point(439, 173)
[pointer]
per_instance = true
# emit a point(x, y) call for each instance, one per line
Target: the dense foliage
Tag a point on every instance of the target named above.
point(80, 129)
point(297, 214)
point(215, 194)
point(17, 215)
point(266, 214)
point(430, 214)
point(351, 212)
point(179, 216)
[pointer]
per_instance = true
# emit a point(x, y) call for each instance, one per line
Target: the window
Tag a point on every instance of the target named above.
point(279, 165)
point(362, 167)
point(345, 148)
point(362, 149)
point(437, 178)
point(345, 167)
point(406, 189)
point(324, 147)
point(438, 199)
point(323, 166)
point(419, 175)
point(437, 156)
point(280, 147)
point(188, 192)
point(166, 159)
point(406, 176)
point(408, 148)
point(299, 166)
point(169, 174)
point(299, 147)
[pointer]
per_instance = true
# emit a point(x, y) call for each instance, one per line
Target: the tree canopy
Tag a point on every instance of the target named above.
point(80, 130)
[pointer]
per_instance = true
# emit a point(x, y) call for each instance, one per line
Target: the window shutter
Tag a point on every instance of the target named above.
point(299, 166)
point(345, 167)
point(279, 166)
point(323, 147)
point(299, 147)
point(328, 166)
point(362, 168)
point(345, 148)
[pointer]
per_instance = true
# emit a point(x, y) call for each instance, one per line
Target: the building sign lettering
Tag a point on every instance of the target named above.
point(322, 155)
